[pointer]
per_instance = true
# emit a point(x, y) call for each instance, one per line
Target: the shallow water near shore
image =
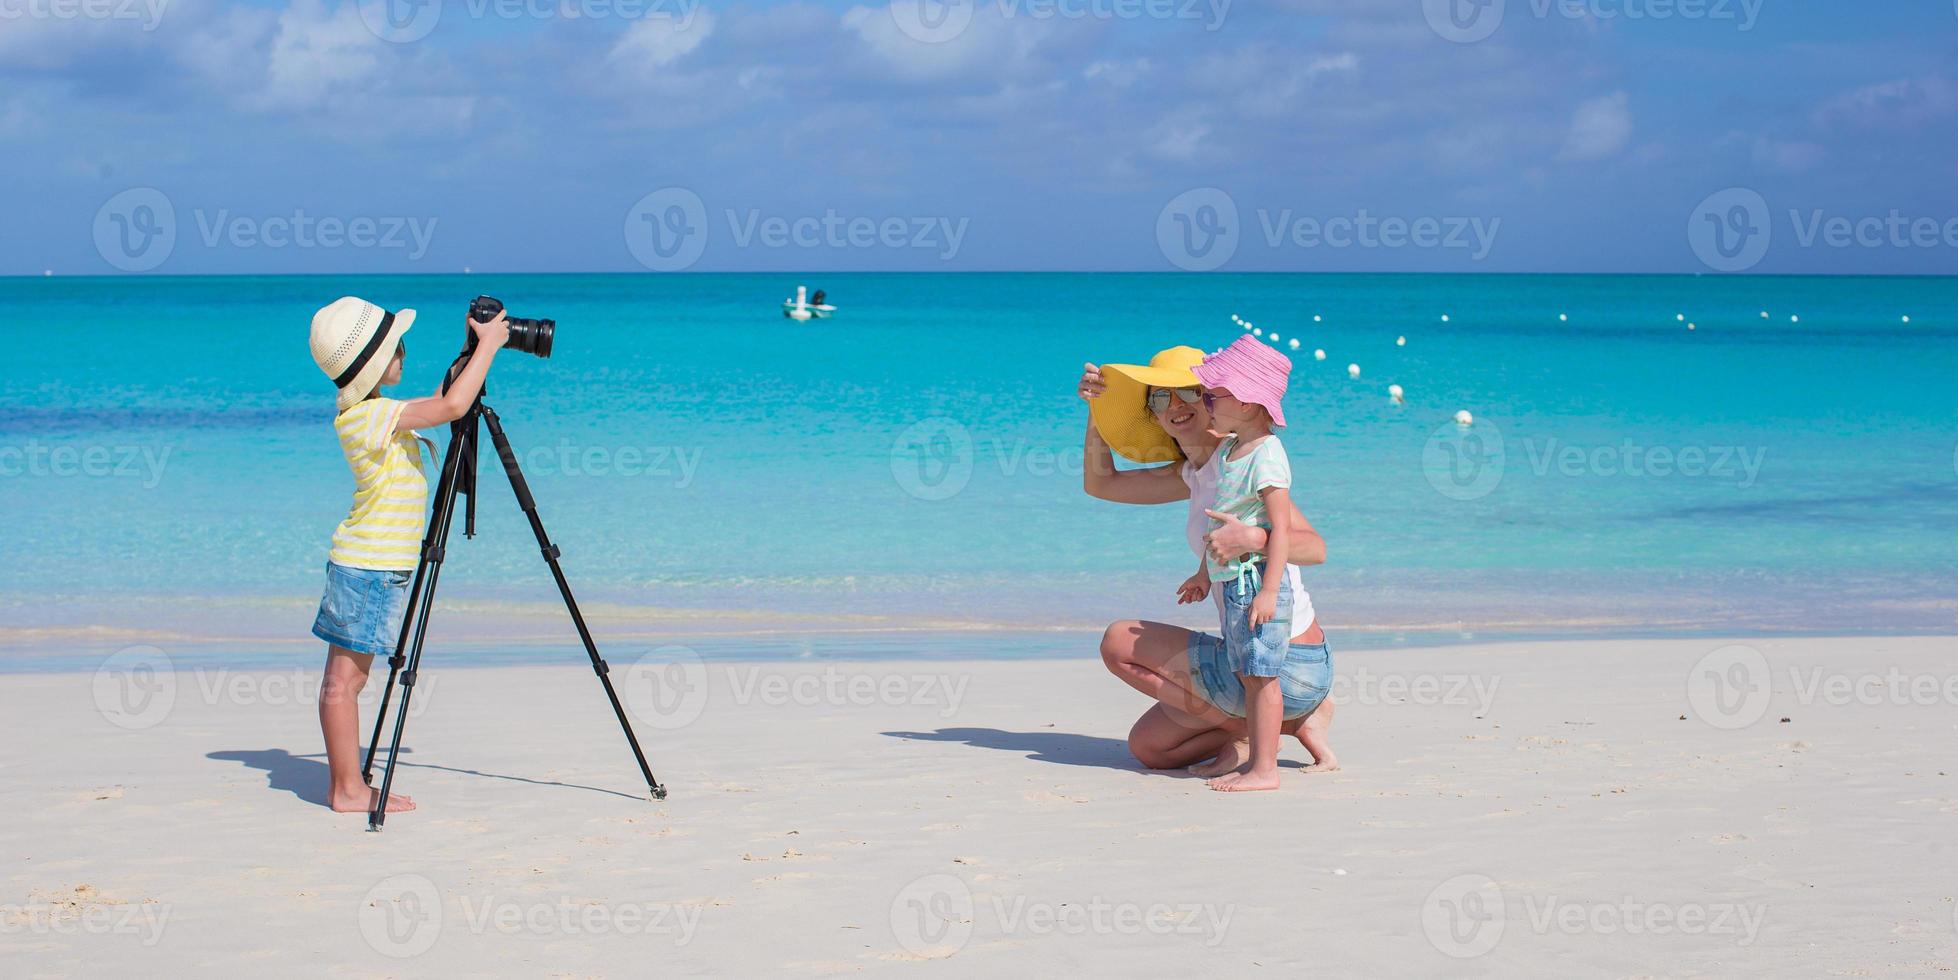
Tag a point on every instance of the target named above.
point(916, 460)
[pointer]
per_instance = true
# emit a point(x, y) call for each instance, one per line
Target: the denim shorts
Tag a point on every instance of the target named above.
point(1258, 652)
point(1304, 670)
point(362, 609)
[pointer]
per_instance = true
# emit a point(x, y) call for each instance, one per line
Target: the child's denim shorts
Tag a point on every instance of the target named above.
point(362, 609)
point(1258, 652)
point(1305, 671)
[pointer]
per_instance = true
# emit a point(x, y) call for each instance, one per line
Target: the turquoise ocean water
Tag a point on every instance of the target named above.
point(918, 457)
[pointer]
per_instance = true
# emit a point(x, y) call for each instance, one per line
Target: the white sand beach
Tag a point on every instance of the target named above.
point(1535, 809)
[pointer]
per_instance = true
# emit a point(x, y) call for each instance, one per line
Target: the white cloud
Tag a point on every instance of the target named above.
point(1120, 74)
point(1181, 140)
point(1901, 103)
point(1600, 128)
point(318, 53)
point(1788, 156)
point(990, 45)
point(652, 44)
point(1344, 61)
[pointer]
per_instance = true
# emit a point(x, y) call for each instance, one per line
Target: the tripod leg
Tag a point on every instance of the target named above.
point(460, 447)
point(431, 544)
point(551, 553)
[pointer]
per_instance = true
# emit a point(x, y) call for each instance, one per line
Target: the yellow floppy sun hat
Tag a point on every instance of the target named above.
point(1122, 413)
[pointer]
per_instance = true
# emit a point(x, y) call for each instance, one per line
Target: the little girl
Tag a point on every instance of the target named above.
point(359, 346)
point(1244, 386)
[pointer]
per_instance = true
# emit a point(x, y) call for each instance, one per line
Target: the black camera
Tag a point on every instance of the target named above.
point(529, 336)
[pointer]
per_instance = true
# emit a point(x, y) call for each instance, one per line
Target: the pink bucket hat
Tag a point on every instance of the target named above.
point(1254, 373)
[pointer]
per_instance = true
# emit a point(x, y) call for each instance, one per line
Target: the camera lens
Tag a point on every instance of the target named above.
point(531, 336)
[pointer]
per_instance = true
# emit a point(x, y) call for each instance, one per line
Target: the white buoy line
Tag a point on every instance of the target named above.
point(1395, 393)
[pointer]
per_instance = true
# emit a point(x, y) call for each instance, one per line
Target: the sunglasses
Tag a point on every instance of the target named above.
point(1159, 398)
point(1210, 400)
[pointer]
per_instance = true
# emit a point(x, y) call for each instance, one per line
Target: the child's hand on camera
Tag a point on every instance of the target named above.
point(493, 334)
point(1264, 608)
point(1194, 589)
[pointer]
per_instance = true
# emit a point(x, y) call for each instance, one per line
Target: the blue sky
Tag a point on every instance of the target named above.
point(195, 136)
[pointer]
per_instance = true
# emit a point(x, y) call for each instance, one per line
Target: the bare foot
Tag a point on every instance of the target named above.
point(1246, 782)
point(1230, 759)
point(1313, 734)
point(361, 800)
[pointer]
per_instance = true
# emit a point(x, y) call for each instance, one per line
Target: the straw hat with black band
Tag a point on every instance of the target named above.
point(1121, 414)
point(353, 342)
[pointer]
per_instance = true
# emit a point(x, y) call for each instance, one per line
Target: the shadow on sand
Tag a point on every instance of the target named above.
point(1061, 748)
point(304, 776)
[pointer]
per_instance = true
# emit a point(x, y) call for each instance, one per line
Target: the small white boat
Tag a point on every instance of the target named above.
point(800, 308)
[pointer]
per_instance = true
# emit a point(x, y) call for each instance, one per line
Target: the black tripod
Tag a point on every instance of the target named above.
point(459, 478)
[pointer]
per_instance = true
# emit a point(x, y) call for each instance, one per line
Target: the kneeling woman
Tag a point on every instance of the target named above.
point(1154, 413)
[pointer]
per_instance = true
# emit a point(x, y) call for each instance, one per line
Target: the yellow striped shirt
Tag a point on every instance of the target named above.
point(384, 529)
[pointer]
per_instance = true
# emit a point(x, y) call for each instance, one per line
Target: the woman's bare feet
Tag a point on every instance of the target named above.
point(1230, 758)
point(1313, 734)
point(1251, 780)
point(361, 800)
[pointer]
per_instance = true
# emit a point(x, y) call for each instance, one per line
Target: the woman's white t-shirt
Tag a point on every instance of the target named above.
point(1203, 496)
